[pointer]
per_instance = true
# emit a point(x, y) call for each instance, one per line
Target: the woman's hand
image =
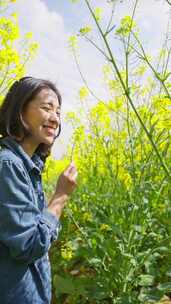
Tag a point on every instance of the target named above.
point(65, 186)
point(67, 181)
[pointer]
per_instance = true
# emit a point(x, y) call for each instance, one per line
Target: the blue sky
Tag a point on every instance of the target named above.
point(52, 22)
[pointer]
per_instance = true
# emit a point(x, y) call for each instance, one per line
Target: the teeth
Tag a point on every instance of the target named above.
point(48, 127)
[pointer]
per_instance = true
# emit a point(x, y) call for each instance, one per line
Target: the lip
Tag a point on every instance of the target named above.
point(50, 127)
point(50, 130)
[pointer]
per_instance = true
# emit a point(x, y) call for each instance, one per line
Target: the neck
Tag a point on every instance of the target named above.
point(28, 147)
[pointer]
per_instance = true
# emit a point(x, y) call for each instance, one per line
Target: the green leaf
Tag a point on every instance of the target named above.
point(166, 287)
point(168, 273)
point(151, 295)
point(95, 261)
point(64, 284)
point(146, 280)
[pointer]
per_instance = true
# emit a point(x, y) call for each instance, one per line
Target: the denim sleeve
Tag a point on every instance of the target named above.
point(24, 229)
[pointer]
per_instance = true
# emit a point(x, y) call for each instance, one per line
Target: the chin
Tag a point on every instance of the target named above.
point(48, 141)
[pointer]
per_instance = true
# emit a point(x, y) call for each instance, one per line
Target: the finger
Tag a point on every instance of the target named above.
point(74, 176)
point(71, 169)
point(72, 172)
point(73, 183)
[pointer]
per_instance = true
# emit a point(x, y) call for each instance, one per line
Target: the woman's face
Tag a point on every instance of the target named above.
point(42, 117)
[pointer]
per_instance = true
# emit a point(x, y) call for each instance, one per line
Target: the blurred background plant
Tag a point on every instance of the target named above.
point(16, 50)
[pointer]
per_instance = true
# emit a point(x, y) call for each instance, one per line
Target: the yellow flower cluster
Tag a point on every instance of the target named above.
point(67, 251)
point(104, 227)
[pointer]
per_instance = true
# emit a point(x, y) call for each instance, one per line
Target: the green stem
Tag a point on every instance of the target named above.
point(127, 93)
point(145, 58)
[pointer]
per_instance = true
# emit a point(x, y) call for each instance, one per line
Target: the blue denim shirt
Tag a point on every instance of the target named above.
point(27, 229)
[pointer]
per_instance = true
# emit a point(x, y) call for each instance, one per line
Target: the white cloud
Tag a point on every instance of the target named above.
point(54, 60)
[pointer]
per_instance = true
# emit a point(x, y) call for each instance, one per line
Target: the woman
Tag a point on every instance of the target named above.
point(29, 124)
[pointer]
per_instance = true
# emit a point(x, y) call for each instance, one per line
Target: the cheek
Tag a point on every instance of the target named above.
point(33, 119)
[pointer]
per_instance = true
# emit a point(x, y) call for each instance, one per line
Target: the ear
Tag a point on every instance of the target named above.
point(23, 122)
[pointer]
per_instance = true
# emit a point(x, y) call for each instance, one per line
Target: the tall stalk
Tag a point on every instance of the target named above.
point(127, 90)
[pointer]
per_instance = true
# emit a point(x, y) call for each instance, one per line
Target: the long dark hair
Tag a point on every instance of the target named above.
point(19, 95)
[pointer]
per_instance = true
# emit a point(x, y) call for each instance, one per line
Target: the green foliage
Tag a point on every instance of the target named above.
point(115, 243)
point(116, 239)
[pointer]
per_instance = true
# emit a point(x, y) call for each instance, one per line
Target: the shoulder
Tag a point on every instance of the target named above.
point(6, 155)
point(9, 161)
point(12, 170)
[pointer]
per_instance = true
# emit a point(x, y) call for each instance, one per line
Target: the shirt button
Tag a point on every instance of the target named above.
point(41, 197)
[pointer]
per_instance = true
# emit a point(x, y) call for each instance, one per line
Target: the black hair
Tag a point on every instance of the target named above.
point(19, 95)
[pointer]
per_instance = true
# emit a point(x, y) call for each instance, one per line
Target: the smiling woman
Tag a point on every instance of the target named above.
point(29, 124)
point(42, 118)
point(29, 106)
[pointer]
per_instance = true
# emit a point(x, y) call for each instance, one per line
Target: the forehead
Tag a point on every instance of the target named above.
point(47, 95)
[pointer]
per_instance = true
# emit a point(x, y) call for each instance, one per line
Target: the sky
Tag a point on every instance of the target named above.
point(54, 21)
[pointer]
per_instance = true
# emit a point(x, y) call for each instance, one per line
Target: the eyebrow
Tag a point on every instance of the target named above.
point(50, 104)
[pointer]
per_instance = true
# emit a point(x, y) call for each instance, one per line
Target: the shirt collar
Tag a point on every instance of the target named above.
point(34, 162)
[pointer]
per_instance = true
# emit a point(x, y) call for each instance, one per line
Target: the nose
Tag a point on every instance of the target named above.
point(55, 118)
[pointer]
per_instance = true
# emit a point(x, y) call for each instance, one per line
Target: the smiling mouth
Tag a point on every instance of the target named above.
point(50, 130)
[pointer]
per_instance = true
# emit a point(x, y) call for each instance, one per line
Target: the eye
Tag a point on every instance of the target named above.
point(58, 113)
point(46, 108)
point(49, 109)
